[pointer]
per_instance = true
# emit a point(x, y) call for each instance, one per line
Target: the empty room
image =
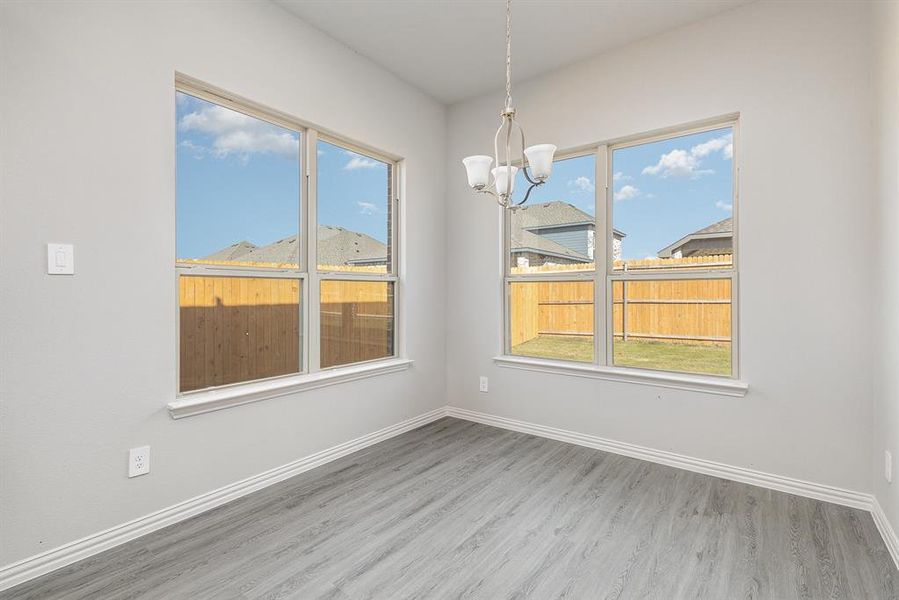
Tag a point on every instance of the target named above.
point(438, 299)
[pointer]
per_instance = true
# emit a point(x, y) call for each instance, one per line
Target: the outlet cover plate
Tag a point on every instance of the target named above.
point(139, 461)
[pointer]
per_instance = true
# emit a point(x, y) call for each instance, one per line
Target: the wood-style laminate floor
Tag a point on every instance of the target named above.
point(460, 510)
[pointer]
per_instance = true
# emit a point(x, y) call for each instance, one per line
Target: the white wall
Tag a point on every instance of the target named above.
point(87, 157)
point(799, 76)
point(886, 394)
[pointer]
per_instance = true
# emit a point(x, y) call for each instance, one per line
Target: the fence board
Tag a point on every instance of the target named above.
point(237, 329)
point(695, 311)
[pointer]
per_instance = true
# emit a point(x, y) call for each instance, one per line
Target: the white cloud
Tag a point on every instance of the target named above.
point(713, 145)
point(236, 134)
point(196, 150)
point(681, 163)
point(366, 208)
point(582, 184)
point(627, 191)
point(619, 176)
point(724, 205)
point(359, 162)
point(677, 163)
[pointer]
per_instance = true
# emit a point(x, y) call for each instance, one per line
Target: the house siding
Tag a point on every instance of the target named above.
point(574, 238)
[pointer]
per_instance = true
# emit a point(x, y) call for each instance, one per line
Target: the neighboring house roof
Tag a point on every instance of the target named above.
point(525, 241)
point(528, 221)
point(232, 252)
point(551, 214)
point(336, 246)
point(339, 246)
point(721, 230)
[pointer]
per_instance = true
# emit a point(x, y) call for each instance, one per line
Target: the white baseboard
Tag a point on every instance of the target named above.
point(688, 463)
point(35, 566)
point(780, 483)
point(886, 530)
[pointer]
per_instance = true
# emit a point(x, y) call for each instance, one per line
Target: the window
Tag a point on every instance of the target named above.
point(250, 306)
point(550, 252)
point(355, 255)
point(663, 295)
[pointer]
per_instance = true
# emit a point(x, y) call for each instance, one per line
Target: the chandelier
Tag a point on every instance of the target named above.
point(536, 161)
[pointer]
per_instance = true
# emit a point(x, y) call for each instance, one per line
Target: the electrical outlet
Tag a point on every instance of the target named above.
point(484, 387)
point(139, 461)
point(888, 465)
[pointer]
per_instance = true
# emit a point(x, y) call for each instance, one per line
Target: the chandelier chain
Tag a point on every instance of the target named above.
point(508, 54)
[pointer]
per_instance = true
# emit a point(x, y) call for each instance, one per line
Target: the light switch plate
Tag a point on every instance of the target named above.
point(60, 259)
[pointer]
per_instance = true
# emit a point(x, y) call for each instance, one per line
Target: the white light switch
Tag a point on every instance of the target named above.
point(60, 259)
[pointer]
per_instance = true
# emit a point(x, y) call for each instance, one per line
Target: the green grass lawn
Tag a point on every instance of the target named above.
point(713, 360)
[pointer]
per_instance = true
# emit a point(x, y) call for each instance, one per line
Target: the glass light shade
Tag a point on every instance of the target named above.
point(478, 170)
point(540, 160)
point(505, 183)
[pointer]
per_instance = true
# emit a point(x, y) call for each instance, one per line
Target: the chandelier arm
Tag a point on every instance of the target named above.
point(528, 193)
point(528, 177)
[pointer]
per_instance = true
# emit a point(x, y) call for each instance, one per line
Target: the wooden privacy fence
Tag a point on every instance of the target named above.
point(356, 321)
point(235, 329)
point(687, 311)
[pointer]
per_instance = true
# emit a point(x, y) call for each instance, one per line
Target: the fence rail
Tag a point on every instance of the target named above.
point(235, 329)
point(691, 311)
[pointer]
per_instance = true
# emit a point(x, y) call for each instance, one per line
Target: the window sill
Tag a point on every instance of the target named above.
point(721, 386)
point(197, 403)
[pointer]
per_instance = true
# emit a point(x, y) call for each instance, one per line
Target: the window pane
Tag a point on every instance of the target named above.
point(680, 325)
point(357, 321)
point(237, 329)
point(555, 230)
point(238, 187)
point(552, 319)
point(354, 211)
point(673, 203)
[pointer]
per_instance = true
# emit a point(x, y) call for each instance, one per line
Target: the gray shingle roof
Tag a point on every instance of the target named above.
point(548, 214)
point(339, 246)
point(336, 246)
point(722, 229)
point(286, 250)
point(232, 252)
point(526, 221)
point(722, 226)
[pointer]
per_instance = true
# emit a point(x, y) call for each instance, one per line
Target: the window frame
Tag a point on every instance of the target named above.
point(603, 277)
point(307, 272)
point(316, 277)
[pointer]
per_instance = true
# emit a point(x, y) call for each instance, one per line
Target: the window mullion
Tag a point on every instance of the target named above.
point(313, 304)
point(602, 312)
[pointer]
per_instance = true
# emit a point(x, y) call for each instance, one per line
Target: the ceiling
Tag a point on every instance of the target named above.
point(455, 49)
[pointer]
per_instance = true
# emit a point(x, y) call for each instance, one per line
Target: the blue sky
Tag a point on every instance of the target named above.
point(667, 189)
point(352, 191)
point(572, 180)
point(662, 190)
point(238, 178)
